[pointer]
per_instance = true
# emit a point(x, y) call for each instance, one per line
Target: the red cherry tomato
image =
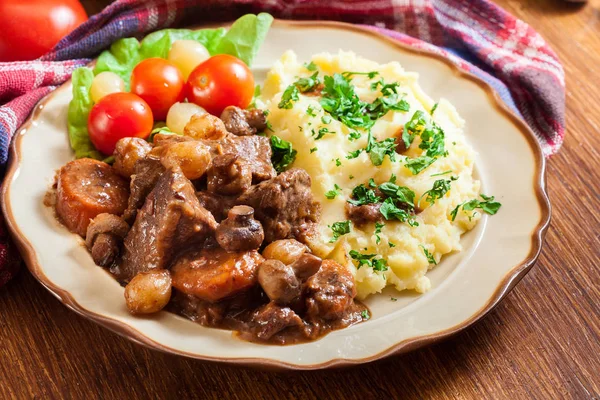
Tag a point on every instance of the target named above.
point(219, 82)
point(31, 28)
point(160, 83)
point(116, 116)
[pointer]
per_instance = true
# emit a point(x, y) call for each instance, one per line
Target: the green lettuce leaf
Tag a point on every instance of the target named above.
point(245, 37)
point(79, 110)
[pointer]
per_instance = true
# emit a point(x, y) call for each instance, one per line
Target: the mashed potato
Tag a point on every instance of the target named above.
point(401, 245)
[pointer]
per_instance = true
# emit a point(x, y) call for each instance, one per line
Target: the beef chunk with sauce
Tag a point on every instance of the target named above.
point(255, 151)
point(364, 214)
point(171, 218)
point(284, 205)
point(271, 319)
point(244, 122)
point(229, 174)
point(218, 205)
point(329, 292)
point(147, 172)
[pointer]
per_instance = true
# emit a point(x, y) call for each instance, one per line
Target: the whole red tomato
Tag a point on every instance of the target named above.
point(31, 28)
point(160, 83)
point(116, 116)
point(220, 81)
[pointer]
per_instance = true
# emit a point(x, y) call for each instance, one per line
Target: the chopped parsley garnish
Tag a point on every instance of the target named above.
point(391, 211)
point(269, 126)
point(378, 226)
point(362, 195)
point(399, 204)
point(439, 189)
point(414, 127)
point(393, 178)
point(311, 66)
point(369, 260)
point(311, 111)
point(365, 315)
point(391, 244)
point(432, 141)
point(341, 101)
point(331, 194)
point(378, 150)
point(289, 95)
point(325, 119)
point(354, 154)
point(339, 229)
point(320, 133)
point(371, 74)
point(435, 106)
point(313, 150)
point(488, 206)
point(393, 299)
point(354, 135)
point(350, 176)
point(308, 84)
point(338, 162)
point(283, 153)
point(442, 173)
point(416, 165)
point(429, 256)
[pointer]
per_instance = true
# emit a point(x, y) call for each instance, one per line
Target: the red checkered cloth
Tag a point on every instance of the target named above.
point(477, 35)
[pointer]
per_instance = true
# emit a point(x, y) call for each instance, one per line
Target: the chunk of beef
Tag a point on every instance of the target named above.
point(271, 319)
point(198, 310)
point(218, 205)
point(329, 292)
point(170, 219)
point(400, 145)
point(284, 205)
point(255, 151)
point(361, 215)
point(104, 238)
point(244, 122)
point(229, 174)
point(147, 172)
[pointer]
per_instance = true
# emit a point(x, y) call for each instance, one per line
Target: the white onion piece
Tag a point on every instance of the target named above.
point(180, 114)
point(187, 55)
point(106, 83)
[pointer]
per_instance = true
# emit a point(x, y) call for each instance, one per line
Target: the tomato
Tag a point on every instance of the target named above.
point(118, 115)
point(160, 83)
point(31, 28)
point(219, 82)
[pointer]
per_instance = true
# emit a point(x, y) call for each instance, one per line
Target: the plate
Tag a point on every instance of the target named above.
point(465, 286)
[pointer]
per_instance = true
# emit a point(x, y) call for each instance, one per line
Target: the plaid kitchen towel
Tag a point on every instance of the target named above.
point(477, 35)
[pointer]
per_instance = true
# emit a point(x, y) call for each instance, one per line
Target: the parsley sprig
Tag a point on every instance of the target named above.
point(339, 229)
point(438, 190)
point(488, 206)
point(432, 141)
point(369, 260)
point(283, 153)
point(429, 256)
point(333, 193)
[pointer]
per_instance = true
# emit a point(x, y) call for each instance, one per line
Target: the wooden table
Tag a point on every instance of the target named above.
point(542, 341)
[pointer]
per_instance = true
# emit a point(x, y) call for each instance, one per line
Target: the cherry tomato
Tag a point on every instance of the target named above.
point(118, 115)
point(160, 83)
point(31, 28)
point(219, 82)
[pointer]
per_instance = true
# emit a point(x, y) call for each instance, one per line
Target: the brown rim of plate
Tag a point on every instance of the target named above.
point(509, 281)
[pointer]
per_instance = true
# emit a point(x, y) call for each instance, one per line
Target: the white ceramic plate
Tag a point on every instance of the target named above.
point(465, 285)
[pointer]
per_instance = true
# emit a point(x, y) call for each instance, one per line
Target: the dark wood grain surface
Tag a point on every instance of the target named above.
point(542, 341)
